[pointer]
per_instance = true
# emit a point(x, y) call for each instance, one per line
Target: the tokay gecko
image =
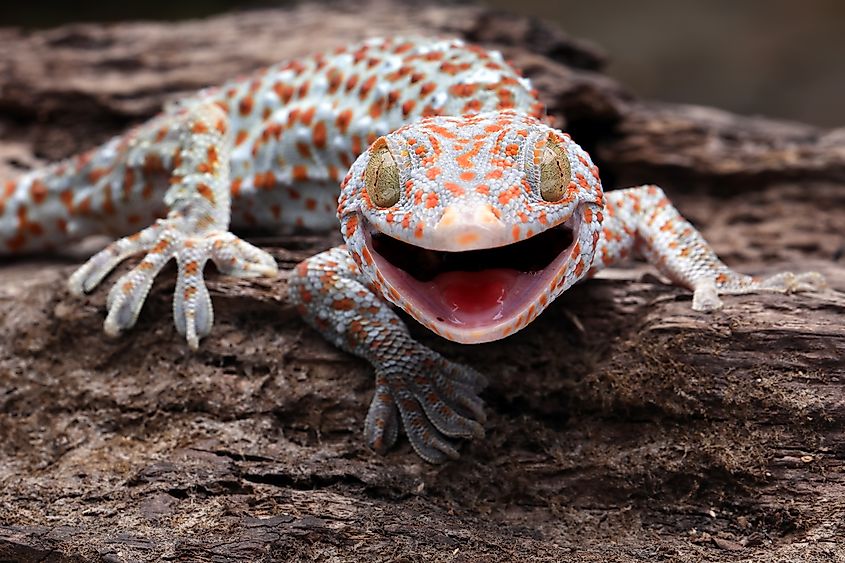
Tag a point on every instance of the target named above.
point(458, 203)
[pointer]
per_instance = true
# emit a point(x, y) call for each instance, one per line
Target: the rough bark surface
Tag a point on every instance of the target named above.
point(623, 426)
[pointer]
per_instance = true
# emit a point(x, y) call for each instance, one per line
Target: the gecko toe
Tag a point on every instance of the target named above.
point(381, 427)
point(706, 298)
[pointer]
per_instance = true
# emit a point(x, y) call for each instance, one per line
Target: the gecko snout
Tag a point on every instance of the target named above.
point(469, 226)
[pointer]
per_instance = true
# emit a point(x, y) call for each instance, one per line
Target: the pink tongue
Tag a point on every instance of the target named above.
point(473, 295)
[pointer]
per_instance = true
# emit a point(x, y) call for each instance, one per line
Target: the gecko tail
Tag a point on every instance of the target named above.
point(37, 212)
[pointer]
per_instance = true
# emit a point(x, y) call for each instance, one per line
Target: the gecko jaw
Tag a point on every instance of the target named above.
point(474, 296)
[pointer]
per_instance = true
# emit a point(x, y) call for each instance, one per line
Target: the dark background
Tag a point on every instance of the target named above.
point(782, 58)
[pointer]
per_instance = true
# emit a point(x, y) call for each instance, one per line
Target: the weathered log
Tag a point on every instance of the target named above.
point(623, 426)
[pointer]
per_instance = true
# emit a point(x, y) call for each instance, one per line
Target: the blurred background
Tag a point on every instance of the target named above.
point(782, 58)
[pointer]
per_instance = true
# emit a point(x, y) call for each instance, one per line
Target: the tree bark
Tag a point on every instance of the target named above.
point(622, 425)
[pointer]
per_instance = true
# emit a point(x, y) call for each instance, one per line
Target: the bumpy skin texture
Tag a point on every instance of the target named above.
point(459, 163)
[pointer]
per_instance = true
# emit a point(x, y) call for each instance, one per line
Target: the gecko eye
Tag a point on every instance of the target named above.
point(555, 172)
point(382, 176)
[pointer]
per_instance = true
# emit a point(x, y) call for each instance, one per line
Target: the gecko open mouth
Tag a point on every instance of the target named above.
point(472, 293)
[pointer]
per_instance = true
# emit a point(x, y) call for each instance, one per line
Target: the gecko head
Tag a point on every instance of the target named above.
point(472, 224)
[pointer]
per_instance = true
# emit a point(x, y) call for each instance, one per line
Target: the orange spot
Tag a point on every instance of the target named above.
point(211, 155)
point(320, 135)
point(366, 87)
point(93, 176)
point(472, 106)
point(128, 183)
point(38, 192)
point(429, 111)
point(351, 225)
point(418, 231)
point(465, 160)
point(432, 173)
point(408, 107)
point(368, 258)
point(283, 91)
point(245, 106)
point(442, 131)
point(508, 195)
point(206, 192)
point(16, 243)
point(483, 189)
point(235, 187)
point(351, 82)
point(160, 247)
point(431, 200)
point(36, 229)
point(304, 150)
point(84, 206)
point(427, 88)
point(108, 204)
point(335, 78)
point(199, 128)
point(467, 176)
point(463, 90)
point(300, 173)
point(455, 189)
point(344, 304)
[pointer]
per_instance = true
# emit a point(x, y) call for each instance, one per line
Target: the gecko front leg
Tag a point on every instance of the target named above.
point(194, 231)
point(641, 220)
point(435, 400)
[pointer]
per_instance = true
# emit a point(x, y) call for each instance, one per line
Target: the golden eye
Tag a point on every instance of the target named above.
point(555, 172)
point(382, 176)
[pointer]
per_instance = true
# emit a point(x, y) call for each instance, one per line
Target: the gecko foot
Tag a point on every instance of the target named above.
point(193, 314)
point(436, 399)
point(787, 282)
point(706, 296)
